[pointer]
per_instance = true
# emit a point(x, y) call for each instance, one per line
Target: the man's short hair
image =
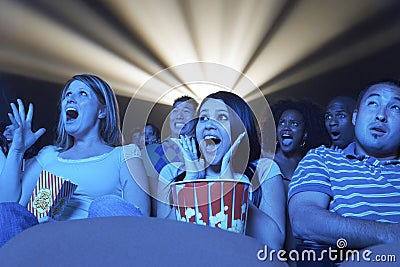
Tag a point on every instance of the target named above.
point(184, 99)
point(390, 82)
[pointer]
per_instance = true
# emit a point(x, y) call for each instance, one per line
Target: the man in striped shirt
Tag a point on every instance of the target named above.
point(354, 193)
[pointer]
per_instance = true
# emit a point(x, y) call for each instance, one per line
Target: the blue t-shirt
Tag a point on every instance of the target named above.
point(360, 186)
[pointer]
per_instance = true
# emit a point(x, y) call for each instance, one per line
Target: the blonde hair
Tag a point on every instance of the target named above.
point(109, 130)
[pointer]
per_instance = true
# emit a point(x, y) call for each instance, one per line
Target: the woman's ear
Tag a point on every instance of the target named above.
point(102, 113)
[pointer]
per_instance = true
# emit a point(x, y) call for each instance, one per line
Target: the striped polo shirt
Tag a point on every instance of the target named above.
point(359, 186)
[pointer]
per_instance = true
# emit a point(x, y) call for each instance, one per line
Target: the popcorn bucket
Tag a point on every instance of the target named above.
point(219, 203)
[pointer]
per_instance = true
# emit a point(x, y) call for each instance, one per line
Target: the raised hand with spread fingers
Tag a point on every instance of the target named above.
point(194, 165)
point(23, 138)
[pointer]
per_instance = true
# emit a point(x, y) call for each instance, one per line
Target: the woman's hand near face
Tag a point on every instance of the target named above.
point(226, 168)
point(23, 137)
point(193, 164)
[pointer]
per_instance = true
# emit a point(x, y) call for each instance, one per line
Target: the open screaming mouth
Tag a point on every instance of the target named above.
point(71, 114)
point(212, 140)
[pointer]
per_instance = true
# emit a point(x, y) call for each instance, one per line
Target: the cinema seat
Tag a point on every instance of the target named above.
point(130, 241)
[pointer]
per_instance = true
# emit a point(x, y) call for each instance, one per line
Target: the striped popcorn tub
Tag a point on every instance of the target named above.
point(50, 195)
point(219, 203)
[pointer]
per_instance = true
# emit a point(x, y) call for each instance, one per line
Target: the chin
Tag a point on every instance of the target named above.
point(212, 160)
point(287, 149)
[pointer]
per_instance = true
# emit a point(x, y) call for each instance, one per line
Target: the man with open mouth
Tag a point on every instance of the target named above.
point(338, 121)
point(354, 193)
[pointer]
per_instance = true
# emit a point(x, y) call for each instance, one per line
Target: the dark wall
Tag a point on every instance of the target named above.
point(347, 80)
point(43, 95)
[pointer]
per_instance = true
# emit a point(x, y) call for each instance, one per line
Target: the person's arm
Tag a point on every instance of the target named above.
point(311, 220)
point(23, 138)
point(29, 180)
point(164, 208)
point(267, 223)
point(135, 191)
point(165, 211)
point(10, 185)
point(164, 199)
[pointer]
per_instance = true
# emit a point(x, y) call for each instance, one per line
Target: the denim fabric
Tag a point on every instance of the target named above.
point(14, 219)
point(110, 205)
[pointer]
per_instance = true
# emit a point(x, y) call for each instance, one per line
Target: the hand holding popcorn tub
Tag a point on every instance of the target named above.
point(50, 196)
point(220, 203)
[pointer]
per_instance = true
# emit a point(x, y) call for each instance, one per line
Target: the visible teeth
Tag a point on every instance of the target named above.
point(286, 136)
point(212, 140)
point(72, 113)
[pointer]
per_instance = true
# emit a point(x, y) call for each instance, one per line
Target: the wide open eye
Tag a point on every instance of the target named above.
point(203, 118)
point(222, 117)
point(328, 117)
point(396, 108)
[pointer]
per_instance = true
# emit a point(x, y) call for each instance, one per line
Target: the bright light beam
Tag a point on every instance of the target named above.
point(311, 25)
point(358, 50)
point(48, 39)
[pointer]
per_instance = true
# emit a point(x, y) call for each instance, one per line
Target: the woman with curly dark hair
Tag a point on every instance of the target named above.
point(299, 127)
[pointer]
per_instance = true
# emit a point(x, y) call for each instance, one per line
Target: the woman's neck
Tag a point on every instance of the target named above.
point(86, 148)
point(290, 155)
point(85, 143)
point(287, 162)
point(213, 171)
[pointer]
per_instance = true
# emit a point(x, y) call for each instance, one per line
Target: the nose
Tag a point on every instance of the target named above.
point(381, 116)
point(179, 114)
point(210, 124)
point(283, 125)
point(70, 99)
point(333, 121)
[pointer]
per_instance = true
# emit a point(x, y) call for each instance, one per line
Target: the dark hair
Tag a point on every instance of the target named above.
point(313, 118)
point(390, 82)
point(346, 100)
point(184, 99)
point(155, 130)
point(247, 118)
point(109, 129)
point(244, 162)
